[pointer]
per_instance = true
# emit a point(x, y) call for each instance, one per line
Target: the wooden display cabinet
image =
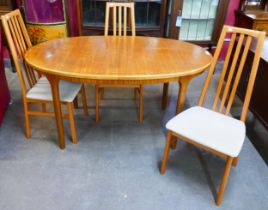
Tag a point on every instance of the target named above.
point(149, 14)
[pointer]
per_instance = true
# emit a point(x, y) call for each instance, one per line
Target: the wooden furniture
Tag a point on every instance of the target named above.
point(198, 21)
point(150, 17)
point(257, 20)
point(128, 61)
point(37, 90)
point(213, 130)
point(258, 104)
point(252, 14)
point(122, 10)
point(6, 6)
point(252, 4)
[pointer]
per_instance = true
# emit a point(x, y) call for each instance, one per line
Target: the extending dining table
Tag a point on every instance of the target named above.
point(117, 60)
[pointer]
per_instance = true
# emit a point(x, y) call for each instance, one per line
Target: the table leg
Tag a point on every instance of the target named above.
point(183, 82)
point(54, 83)
point(165, 95)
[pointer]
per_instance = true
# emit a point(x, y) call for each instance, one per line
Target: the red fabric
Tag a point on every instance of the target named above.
point(230, 20)
point(4, 91)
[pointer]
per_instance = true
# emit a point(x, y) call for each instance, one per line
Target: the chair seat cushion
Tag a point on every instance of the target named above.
point(210, 129)
point(42, 91)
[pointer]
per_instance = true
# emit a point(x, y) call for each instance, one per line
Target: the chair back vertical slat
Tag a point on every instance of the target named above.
point(120, 14)
point(212, 67)
point(31, 73)
point(20, 35)
point(19, 41)
point(238, 75)
point(14, 36)
point(107, 14)
point(253, 74)
point(234, 70)
point(224, 70)
point(231, 72)
point(133, 26)
point(24, 31)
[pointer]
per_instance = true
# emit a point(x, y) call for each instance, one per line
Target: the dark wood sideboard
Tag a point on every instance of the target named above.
point(253, 19)
point(259, 101)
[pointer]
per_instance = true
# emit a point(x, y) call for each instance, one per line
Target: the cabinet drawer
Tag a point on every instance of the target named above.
point(261, 27)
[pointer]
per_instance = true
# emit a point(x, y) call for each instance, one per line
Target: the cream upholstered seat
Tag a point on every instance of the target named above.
point(214, 130)
point(227, 135)
point(42, 91)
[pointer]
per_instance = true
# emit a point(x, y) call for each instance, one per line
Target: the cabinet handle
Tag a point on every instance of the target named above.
point(260, 29)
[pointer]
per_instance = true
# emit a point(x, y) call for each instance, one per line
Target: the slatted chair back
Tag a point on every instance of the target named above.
point(239, 45)
point(119, 10)
point(19, 41)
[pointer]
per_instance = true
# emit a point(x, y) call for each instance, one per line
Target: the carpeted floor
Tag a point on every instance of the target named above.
point(115, 164)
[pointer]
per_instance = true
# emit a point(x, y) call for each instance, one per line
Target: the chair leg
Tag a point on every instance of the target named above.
point(141, 105)
point(84, 100)
point(27, 121)
point(224, 180)
point(97, 101)
point(166, 151)
point(43, 106)
point(76, 102)
point(101, 93)
point(234, 163)
point(165, 96)
point(72, 124)
point(136, 91)
point(173, 142)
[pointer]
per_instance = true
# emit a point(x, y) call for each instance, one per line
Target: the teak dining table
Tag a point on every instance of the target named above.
point(119, 61)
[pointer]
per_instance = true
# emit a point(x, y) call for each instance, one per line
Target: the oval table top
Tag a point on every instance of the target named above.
point(118, 58)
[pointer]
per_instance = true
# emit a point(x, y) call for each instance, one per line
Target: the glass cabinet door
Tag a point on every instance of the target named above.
point(93, 12)
point(198, 19)
point(147, 12)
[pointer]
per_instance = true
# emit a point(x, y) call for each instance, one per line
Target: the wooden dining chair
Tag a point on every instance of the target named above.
point(36, 88)
point(119, 10)
point(215, 130)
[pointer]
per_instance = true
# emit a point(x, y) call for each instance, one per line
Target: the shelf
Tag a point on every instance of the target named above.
point(197, 19)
